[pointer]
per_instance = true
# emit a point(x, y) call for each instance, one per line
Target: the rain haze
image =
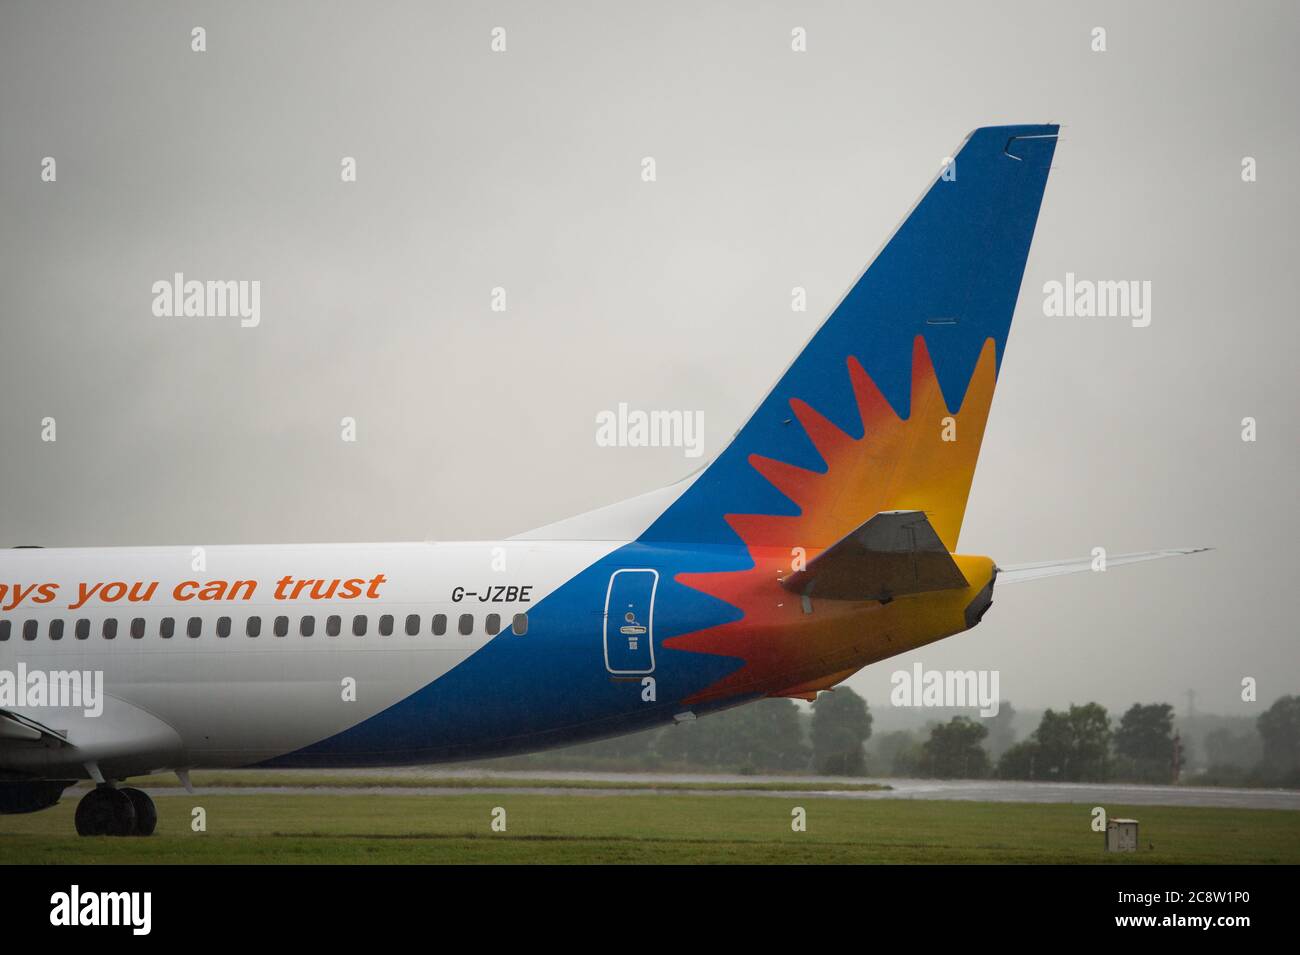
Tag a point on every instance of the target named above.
point(522, 170)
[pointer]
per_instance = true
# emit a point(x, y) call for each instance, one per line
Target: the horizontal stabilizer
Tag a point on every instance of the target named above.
point(1055, 568)
point(894, 554)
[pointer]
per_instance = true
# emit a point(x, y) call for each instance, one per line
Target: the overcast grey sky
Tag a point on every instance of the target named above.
point(775, 169)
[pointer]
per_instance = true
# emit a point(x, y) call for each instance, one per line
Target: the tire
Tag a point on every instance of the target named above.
point(105, 812)
point(123, 814)
point(94, 814)
point(146, 813)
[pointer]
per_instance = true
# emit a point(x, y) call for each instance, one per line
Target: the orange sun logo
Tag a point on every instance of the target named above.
point(924, 462)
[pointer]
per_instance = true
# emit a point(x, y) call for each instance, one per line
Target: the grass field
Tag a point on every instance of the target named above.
point(674, 828)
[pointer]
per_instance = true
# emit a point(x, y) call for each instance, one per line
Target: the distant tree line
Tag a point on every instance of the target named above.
point(1082, 743)
point(772, 736)
point(1268, 757)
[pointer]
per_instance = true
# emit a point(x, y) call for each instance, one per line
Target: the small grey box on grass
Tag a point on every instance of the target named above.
point(1122, 835)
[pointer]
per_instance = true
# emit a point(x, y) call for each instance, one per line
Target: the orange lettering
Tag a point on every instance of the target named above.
point(85, 594)
point(136, 596)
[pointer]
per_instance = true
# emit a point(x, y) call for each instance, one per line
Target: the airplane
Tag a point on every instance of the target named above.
point(821, 540)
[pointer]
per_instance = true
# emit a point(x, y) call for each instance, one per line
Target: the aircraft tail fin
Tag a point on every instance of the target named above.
point(884, 409)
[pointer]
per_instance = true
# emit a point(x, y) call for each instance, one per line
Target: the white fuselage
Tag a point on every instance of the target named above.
point(213, 700)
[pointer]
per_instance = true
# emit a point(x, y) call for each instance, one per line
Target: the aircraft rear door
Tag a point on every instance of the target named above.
point(629, 622)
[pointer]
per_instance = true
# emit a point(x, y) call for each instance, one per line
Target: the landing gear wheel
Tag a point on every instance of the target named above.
point(105, 811)
point(146, 814)
point(94, 814)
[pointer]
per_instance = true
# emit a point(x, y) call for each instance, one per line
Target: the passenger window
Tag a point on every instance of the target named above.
point(137, 628)
point(56, 629)
point(334, 625)
point(110, 628)
point(29, 629)
point(254, 626)
point(194, 627)
point(466, 624)
point(307, 626)
point(412, 624)
point(82, 630)
point(281, 626)
point(386, 625)
point(223, 626)
point(5, 627)
point(359, 625)
point(492, 624)
point(166, 627)
point(439, 624)
point(520, 624)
